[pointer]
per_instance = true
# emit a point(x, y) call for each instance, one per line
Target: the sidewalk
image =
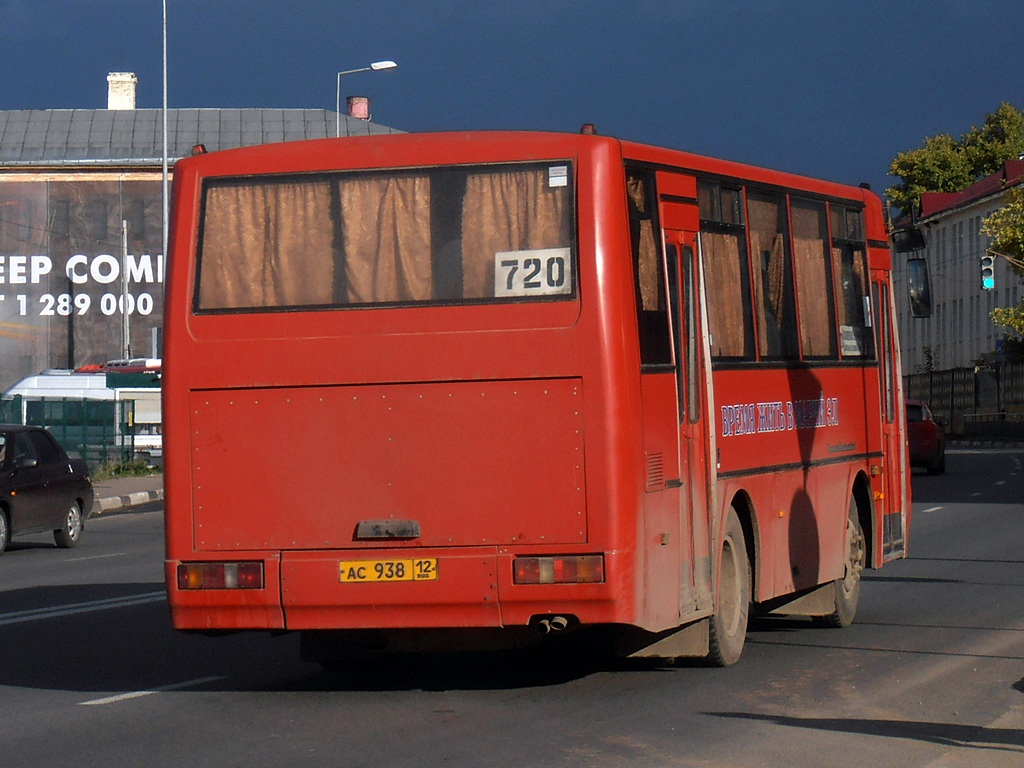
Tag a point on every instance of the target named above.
point(122, 493)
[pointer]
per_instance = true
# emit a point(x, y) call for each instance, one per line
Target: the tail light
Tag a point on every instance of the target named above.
point(220, 575)
point(560, 569)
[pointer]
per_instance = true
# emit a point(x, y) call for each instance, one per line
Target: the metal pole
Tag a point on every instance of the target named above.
point(167, 201)
point(126, 344)
point(377, 66)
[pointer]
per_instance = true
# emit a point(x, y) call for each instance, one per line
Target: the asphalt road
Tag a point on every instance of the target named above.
point(931, 674)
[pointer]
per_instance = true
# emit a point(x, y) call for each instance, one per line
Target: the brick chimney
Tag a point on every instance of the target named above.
point(359, 107)
point(121, 90)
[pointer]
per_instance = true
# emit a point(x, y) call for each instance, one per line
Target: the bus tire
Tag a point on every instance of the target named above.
point(727, 630)
point(67, 536)
point(847, 589)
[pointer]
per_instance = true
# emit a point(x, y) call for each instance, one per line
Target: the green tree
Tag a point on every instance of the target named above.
point(945, 164)
point(1006, 228)
point(1001, 138)
point(941, 165)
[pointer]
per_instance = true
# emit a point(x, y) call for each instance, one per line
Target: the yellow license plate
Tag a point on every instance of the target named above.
point(368, 571)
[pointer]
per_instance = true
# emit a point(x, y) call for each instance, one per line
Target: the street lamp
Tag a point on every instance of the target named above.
point(377, 66)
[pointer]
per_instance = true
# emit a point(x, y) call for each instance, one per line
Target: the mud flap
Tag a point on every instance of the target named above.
point(691, 640)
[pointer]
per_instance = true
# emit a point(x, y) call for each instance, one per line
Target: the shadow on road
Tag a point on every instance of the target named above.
point(945, 734)
point(116, 638)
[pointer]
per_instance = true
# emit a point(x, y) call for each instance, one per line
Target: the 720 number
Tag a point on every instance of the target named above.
point(543, 272)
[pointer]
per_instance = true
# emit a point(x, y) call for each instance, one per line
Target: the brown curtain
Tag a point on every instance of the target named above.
point(776, 288)
point(767, 250)
point(267, 246)
point(508, 211)
point(723, 270)
point(810, 261)
point(386, 226)
point(647, 267)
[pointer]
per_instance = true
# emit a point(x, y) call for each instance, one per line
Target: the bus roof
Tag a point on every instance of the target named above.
point(410, 149)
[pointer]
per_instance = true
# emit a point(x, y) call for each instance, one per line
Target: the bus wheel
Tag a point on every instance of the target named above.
point(728, 625)
point(848, 588)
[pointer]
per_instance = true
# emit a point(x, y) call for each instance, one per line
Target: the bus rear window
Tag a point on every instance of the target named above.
point(465, 234)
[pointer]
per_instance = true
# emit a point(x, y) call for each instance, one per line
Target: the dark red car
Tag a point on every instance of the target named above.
point(41, 489)
point(926, 437)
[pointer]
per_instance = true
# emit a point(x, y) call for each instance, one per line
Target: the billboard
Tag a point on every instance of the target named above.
point(81, 269)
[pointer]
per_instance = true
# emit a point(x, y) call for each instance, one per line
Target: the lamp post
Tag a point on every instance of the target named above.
point(377, 66)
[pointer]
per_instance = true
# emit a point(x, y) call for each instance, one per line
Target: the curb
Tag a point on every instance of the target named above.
point(115, 503)
point(980, 442)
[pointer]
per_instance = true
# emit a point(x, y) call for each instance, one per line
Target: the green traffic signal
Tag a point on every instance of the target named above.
point(988, 272)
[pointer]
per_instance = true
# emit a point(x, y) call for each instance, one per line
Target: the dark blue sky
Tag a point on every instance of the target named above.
point(827, 88)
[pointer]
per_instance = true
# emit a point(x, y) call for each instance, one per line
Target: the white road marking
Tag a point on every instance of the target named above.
point(36, 614)
point(933, 509)
point(95, 557)
point(149, 692)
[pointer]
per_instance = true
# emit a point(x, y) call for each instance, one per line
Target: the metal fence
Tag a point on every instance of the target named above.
point(983, 401)
point(99, 431)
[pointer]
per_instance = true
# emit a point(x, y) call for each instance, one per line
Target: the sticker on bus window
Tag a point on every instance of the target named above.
point(851, 340)
point(558, 176)
point(541, 272)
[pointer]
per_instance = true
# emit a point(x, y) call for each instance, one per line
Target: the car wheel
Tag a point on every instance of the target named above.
point(5, 530)
point(938, 464)
point(68, 536)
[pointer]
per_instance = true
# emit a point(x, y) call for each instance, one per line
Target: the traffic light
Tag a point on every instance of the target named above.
point(988, 272)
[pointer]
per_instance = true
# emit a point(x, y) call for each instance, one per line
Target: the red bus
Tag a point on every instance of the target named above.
point(439, 390)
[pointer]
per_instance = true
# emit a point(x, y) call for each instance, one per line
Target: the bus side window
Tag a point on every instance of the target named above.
point(652, 308)
point(812, 258)
point(850, 274)
point(727, 272)
point(773, 277)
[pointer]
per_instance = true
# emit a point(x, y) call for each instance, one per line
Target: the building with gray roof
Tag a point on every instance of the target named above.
point(81, 219)
point(61, 138)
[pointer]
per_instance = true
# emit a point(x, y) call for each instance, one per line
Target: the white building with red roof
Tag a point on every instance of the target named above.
point(960, 330)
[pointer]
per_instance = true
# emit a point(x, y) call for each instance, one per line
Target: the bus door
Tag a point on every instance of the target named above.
point(680, 222)
point(895, 500)
point(694, 442)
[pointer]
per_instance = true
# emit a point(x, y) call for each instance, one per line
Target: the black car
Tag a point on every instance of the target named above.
point(41, 489)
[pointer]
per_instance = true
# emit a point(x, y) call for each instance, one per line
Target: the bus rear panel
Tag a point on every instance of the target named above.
point(431, 386)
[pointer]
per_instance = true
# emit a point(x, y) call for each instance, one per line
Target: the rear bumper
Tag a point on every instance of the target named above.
point(473, 589)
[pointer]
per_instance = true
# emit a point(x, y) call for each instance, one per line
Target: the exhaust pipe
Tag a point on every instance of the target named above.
point(549, 625)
